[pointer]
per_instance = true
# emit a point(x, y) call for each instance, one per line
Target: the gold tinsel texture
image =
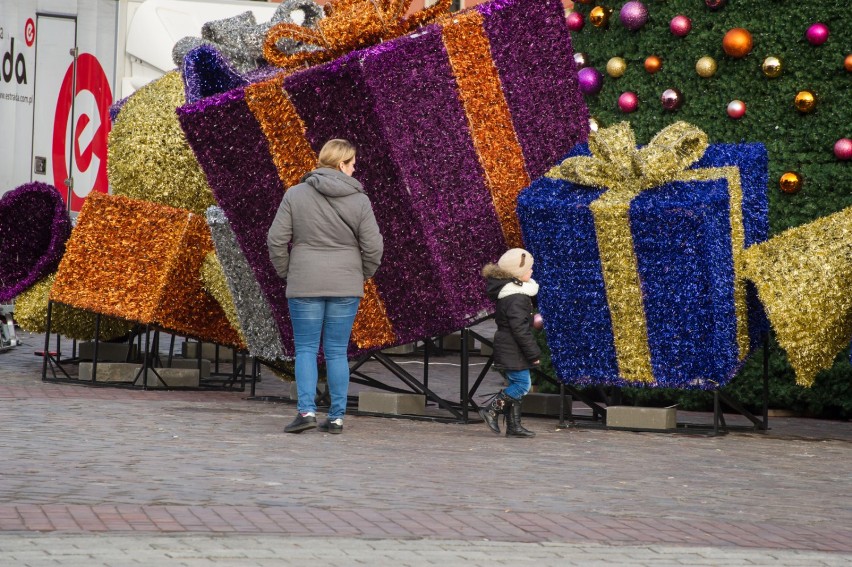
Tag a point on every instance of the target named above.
point(214, 282)
point(804, 279)
point(142, 262)
point(31, 315)
point(148, 157)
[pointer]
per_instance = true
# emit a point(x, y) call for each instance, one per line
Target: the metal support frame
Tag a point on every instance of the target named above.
point(150, 358)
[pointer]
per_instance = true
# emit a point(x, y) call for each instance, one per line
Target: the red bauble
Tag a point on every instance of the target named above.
point(575, 21)
point(628, 102)
point(736, 109)
point(680, 25)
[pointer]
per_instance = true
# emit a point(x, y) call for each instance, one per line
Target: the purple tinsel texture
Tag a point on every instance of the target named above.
point(34, 229)
point(206, 72)
point(399, 103)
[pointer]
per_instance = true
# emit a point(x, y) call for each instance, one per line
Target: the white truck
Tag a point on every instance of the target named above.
point(65, 62)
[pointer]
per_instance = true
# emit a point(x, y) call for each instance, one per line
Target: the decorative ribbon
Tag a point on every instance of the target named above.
point(348, 25)
point(625, 171)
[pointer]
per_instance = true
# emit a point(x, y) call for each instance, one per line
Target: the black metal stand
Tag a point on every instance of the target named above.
point(151, 360)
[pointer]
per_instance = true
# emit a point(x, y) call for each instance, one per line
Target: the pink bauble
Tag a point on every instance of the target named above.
point(538, 321)
point(680, 26)
point(633, 15)
point(736, 109)
point(817, 34)
point(575, 21)
point(843, 149)
point(628, 102)
point(591, 80)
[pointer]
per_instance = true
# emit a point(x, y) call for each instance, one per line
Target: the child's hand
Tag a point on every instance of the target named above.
point(536, 362)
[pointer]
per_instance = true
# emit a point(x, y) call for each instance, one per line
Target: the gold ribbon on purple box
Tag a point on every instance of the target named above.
point(624, 170)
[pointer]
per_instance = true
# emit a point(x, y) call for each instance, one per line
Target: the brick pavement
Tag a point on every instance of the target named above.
point(81, 461)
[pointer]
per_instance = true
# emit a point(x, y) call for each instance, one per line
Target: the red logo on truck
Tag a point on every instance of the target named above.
point(89, 133)
point(29, 32)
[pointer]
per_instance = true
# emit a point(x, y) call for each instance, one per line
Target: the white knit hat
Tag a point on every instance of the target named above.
point(516, 261)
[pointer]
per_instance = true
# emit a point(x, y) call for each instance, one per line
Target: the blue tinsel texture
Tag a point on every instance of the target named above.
point(682, 240)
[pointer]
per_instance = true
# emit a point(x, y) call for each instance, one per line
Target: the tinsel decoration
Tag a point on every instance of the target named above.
point(206, 72)
point(488, 117)
point(240, 38)
point(804, 278)
point(348, 25)
point(147, 155)
point(34, 226)
point(253, 310)
point(214, 283)
point(284, 131)
point(421, 156)
point(141, 261)
point(637, 257)
point(31, 315)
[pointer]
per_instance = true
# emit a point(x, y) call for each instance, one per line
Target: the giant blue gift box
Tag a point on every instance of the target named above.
point(682, 239)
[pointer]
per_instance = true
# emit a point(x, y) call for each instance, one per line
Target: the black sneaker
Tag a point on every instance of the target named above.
point(333, 426)
point(301, 423)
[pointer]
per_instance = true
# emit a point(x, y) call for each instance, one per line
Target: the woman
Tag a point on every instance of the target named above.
point(336, 245)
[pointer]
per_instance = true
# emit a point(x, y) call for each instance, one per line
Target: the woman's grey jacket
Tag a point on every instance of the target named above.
point(336, 241)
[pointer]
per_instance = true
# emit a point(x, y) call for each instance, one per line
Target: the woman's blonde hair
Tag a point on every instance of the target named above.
point(335, 152)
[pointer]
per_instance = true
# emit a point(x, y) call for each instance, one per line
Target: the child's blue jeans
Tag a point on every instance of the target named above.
point(519, 383)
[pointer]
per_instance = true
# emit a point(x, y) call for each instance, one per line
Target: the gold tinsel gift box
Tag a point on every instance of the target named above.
point(141, 261)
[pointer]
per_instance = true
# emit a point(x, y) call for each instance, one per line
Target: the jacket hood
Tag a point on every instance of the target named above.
point(332, 182)
point(497, 278)
point(501, 283)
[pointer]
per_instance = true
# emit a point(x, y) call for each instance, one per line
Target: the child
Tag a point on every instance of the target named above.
point(510, 284)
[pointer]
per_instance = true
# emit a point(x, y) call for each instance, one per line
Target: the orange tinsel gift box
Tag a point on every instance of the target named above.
point(141, 261)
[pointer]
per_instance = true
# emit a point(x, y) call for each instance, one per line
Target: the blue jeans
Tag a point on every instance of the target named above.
point(519, 383)
point(330, 318)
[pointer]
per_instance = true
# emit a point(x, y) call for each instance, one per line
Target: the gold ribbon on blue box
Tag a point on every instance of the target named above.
point(625, 171)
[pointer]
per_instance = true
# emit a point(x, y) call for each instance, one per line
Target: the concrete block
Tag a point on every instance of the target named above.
point(401, 349)
point(630, 417)
point(392, 403)
point(192, 364)
point(544, 404)
point(189, 349)
point(125, 372)
point(107, 352)
point(109, 371)
point(174, 378)
point(453, 342)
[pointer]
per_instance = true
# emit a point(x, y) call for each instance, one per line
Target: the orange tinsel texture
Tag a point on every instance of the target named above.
point(372, 328)
point(293, 156)
point(142, 261)
point(488, 115)
point(347, 26)
point(283, 128)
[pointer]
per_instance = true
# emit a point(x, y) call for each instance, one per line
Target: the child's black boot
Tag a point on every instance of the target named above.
point(513, 421)
point(492, 411)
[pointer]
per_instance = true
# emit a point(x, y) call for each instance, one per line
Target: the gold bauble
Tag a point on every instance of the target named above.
point(705, 67)
point(771, 67)
point(805, 101)
point(616, 67)
point(790, 182)
point(599, 16)
point(737, 43)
